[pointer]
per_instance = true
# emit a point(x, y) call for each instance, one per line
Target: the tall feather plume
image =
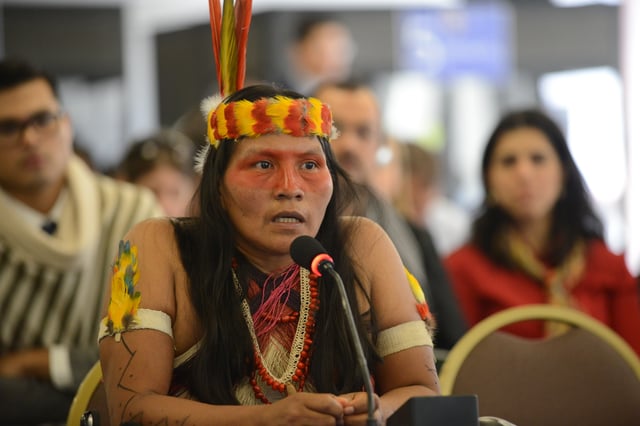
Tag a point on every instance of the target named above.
point(214, 20)
point(228, 49)
point(229, 34)
point(243, 21)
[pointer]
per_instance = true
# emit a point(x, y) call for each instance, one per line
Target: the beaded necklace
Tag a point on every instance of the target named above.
point(297, 365)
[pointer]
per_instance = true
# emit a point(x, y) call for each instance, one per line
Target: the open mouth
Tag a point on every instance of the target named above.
point(288, 218)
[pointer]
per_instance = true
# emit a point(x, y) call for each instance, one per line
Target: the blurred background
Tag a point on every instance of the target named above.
point(445, 70)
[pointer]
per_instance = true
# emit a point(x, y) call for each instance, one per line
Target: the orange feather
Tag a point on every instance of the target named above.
point(243, 21)
point(214, 20)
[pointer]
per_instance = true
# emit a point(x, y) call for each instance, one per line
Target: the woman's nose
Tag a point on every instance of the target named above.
point(523, 168)
point(288, 185)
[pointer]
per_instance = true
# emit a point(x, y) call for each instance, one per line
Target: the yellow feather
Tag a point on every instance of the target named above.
point(421, 301)
point(228, 49)
point(221, 122)
point(279, 110)
point(315, 114)
point(415, 287)
point(244, 117)
point(125, 300)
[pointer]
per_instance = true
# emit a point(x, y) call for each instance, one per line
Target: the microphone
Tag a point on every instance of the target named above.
point(307, 252)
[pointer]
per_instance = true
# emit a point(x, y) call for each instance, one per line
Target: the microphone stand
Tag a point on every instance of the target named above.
point(362, 362)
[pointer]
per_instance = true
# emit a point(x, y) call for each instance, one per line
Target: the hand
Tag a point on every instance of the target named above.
point(303, 408)
point(358, 400)
point(26, 363)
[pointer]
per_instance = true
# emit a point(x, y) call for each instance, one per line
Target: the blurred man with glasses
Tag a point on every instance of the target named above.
point(60, 224)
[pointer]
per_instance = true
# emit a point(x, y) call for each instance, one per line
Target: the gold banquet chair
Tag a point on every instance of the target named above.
point(89, 406)
point(586, 376)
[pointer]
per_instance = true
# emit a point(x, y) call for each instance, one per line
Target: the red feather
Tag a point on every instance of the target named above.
point(215, 17)
point(293, 120)
point(243, 21)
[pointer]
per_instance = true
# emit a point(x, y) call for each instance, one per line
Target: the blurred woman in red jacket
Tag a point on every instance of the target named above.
point(538, 239)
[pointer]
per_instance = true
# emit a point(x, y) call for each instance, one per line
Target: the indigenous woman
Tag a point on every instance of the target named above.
point(538, 239)
point(211, 322)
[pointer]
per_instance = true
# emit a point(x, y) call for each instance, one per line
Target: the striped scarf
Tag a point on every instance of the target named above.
point(557, 281)
point(51, 287)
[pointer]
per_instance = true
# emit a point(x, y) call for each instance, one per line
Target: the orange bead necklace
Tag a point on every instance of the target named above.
point(297, 366)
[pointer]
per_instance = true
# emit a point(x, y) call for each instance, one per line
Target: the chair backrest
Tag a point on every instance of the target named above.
point(90, 398)
point(586, 376)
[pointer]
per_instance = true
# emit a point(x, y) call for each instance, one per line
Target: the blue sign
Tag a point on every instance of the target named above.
point(475, 40)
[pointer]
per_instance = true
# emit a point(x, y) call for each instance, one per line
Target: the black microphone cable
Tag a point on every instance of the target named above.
point(309, 253)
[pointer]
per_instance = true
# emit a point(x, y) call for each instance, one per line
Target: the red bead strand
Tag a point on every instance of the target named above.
point(300, 374)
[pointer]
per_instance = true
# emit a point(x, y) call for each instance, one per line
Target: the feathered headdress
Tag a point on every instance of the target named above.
point(229, 35)
point(235, 120)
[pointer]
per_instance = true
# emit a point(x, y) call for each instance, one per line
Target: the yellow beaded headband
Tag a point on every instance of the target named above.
point(234, 120)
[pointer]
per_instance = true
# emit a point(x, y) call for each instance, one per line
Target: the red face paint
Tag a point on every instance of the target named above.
point(276, 187)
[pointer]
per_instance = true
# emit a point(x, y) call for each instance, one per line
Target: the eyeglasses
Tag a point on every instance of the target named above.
point(44, 123)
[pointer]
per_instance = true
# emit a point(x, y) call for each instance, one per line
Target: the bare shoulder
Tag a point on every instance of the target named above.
point(381, 272)
point(369, 247)
point(153, 230)
point(365, 234)
point(155, 239)
point(160, 225)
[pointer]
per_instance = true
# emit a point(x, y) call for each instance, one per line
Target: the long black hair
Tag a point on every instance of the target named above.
point(206, 242)
point(573, 216)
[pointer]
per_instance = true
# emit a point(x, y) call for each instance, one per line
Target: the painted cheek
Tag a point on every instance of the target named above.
point(239, 192)
point(310, 178)
point(324, 187)
point(319, 180)
point(245, 179)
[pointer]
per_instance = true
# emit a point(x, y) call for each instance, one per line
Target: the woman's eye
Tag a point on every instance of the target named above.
point(508, 160)
point(309, 165)
point(538, 158)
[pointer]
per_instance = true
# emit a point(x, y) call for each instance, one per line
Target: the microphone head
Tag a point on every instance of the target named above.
point(307, 252)
point(304, 249)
